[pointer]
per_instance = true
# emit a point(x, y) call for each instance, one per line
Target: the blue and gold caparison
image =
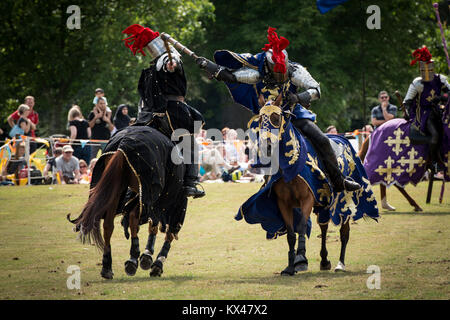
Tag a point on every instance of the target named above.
point(297, 157)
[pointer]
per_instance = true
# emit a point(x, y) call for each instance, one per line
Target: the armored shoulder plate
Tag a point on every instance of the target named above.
point(416, 87)
point(444, 81)
point(302, 78)
point(247, 75)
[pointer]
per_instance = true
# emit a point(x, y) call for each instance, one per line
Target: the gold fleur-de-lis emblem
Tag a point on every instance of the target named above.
point(397, 142)
point(432, 96)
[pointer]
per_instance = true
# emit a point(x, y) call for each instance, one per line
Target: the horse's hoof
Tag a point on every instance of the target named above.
point(418, 209)
point(289, 271)
point(325, 266)
point(131, 266)
point(107, 274)
point(300, 263)
point(146, 261)
point(157, 269)
point(301, 267)
point(340, 267)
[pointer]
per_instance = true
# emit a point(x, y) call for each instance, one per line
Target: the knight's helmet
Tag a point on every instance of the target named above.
point(279, 77)
point(141, 38)
point(426, 64)
point(276, 56)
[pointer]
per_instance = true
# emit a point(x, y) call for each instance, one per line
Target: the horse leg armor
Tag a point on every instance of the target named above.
point(132, 264)
point(301, 262)
point(290, 269)
point(146, 259)
point(157, 266)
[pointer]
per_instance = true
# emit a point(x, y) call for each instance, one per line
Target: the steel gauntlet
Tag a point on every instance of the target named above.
point(216, 71)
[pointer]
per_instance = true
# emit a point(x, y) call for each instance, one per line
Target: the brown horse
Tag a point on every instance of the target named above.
point(384, 203)
point(296, 194)
point(116, 172)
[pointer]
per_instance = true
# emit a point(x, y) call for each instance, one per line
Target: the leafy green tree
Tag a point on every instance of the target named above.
point(41, 56)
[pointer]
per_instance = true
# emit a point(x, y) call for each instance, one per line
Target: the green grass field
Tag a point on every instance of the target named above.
point(217, 257)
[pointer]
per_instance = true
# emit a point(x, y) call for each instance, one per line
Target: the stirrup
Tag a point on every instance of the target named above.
point(194, 192)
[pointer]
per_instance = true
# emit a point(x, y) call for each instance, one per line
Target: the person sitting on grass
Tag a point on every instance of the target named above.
point(84, 172)
point(68, 166)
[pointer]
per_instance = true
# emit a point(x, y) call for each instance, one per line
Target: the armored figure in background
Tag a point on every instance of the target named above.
point(269, 74)
point(421, 102)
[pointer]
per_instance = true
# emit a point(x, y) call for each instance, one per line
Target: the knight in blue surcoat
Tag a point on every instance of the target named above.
point(269, 74)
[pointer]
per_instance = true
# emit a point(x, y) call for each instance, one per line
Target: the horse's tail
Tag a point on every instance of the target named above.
point(103, 200)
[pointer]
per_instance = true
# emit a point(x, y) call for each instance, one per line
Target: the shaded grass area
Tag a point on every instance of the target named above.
point(217, 257)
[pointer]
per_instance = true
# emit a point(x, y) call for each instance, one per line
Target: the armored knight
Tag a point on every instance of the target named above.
point(270, 73)
point(421, 101)
point(162, 88)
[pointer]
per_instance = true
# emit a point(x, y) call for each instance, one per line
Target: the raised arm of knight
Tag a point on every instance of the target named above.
point(174, 57)
point(220, 73)
point(301, 78)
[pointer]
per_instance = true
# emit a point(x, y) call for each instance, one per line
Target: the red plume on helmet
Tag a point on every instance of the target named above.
point(277, 45)
point(139, 38)
point(421, 54)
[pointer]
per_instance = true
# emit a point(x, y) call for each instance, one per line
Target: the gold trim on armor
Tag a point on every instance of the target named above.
point(245, 63)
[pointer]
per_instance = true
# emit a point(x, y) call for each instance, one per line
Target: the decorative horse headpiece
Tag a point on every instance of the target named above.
point(271, 120)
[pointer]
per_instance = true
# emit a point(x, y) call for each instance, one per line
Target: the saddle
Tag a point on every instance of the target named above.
point(418, 137)
point(158, 121)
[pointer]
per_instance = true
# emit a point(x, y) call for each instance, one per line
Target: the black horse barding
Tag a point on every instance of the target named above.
point(138, 160)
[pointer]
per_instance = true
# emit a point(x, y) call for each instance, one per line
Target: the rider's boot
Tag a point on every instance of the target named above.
point(191, 182)
point(327, 156)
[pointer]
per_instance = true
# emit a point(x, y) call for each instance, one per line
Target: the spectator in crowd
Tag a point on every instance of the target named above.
point(51, 166)
point(84, 172)
point(24, 123)
point(91, 167)
point(15, 165)
point(231, 154)
point(366, 131)
point(212, 161)
point(121, 118)
point(101, 126)
point(384, 111)
point(33, 115)
point(100, 93)
point(79, 130)
point(331, 130)
point(68, 166)
point(68, 115)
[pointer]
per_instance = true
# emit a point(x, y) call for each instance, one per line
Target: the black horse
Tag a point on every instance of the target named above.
point(136, 176)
